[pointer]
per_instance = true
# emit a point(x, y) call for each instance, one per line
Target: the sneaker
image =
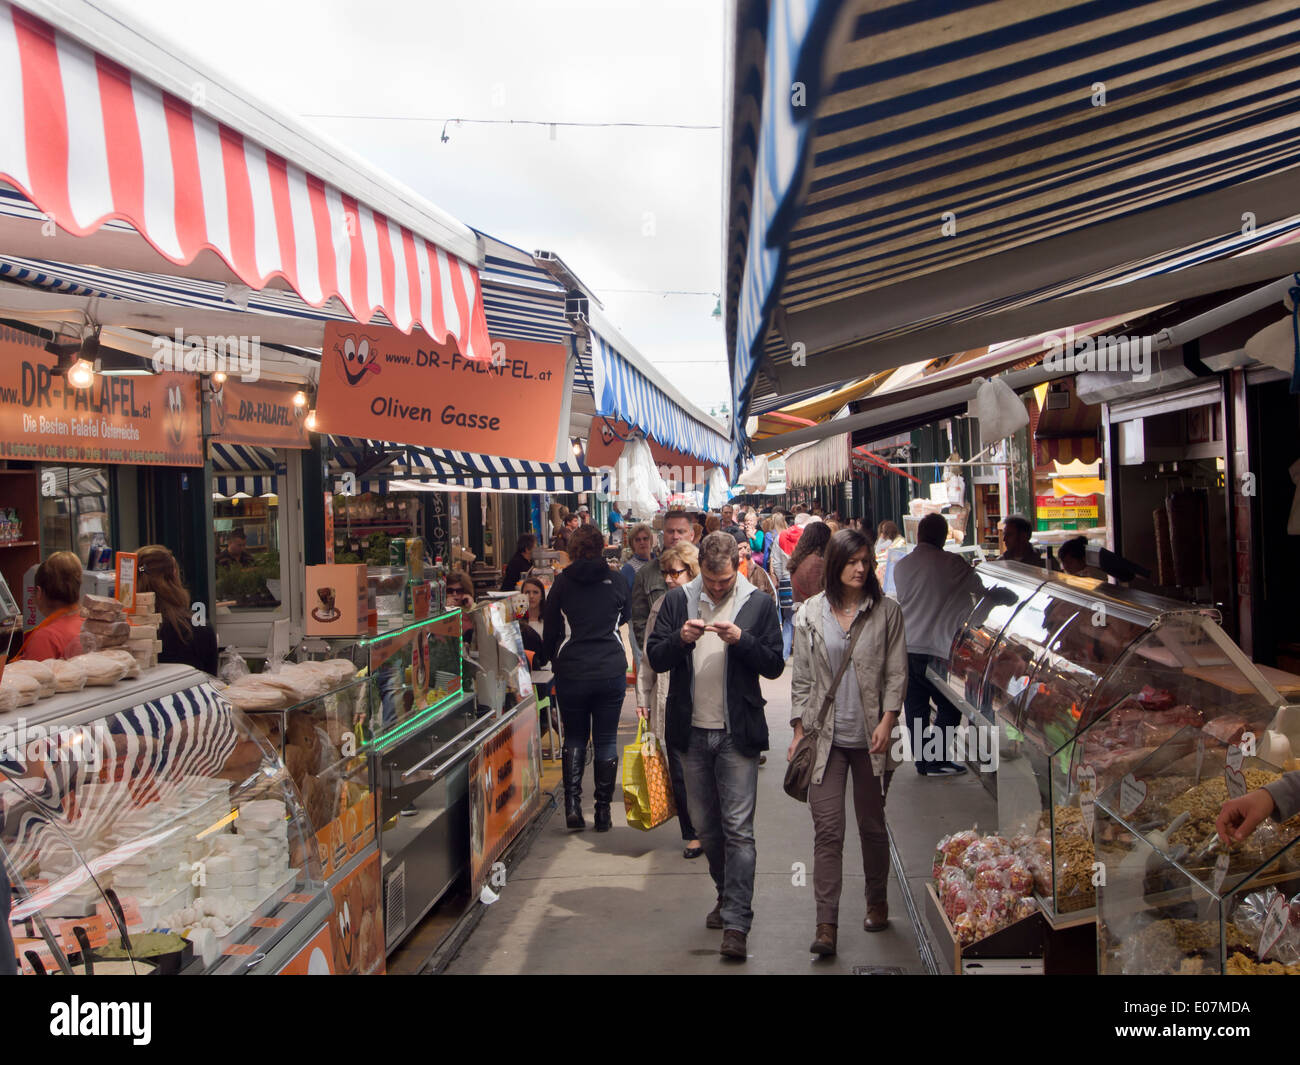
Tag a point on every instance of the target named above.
point(940, 769)
point(714, 919)
point(733, 944)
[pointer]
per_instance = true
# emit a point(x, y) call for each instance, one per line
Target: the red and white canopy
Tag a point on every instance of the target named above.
point(89, 140)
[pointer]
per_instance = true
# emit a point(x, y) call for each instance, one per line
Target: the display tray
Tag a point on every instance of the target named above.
point(1231, 680)
point(261, 908)
point(1023, 941)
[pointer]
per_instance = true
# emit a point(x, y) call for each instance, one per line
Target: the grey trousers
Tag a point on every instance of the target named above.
point(826, 801)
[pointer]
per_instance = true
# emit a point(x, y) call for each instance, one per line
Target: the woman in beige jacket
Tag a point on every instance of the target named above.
point(680, 565)
point(858, 733)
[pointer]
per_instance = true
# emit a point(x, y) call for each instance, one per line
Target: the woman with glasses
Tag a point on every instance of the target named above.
point(680, 565)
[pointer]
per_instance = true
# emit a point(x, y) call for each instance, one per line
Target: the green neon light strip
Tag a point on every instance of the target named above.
point(407, 628)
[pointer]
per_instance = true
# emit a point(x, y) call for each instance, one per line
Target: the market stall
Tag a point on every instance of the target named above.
point(1082, 682)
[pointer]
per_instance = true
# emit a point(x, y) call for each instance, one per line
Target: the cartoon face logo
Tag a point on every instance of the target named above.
point(607, 435)
point(217, 408)
point(355, 359)
point(346, 941)
point(174, 417)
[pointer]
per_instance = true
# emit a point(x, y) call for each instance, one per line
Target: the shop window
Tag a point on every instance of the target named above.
point(75, 510)
point(246, 532)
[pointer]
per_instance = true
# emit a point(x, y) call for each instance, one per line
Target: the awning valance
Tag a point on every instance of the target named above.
point(623, 391)
point(240, 468)
point(458, 470)
point(825, 462)
point(89, 140)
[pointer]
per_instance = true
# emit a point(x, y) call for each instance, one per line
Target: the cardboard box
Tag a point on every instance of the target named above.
point(335, 600)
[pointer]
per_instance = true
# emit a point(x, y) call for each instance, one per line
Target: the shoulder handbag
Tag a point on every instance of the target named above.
point(798, 773)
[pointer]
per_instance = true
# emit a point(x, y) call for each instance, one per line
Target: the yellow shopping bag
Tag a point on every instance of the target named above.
point(647, 788)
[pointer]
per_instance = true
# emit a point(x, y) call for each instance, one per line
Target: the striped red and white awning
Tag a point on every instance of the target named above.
point(88, 140)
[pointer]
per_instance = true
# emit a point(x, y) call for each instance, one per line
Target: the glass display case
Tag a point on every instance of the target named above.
point(1174, 900)
point(321, 737)
point(147, 825)
point(1085, 679)
point(993, 594)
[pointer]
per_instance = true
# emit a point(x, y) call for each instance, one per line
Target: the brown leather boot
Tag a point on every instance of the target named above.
point(824, 941)
point(734, 944)
point(877, 917)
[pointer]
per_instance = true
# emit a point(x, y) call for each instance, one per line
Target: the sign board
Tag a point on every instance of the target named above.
point(260, 413)
point(381, 384)
point(151, 420)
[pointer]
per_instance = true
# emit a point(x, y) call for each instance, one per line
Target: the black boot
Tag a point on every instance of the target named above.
point(573, 762)
point(605, 772)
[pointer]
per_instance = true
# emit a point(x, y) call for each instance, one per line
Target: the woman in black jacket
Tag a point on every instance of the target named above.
point(587, 604)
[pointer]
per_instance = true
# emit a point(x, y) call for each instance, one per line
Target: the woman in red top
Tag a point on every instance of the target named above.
point(58, 594)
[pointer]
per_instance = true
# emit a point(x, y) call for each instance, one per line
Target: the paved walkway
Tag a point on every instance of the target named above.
point(627, 901)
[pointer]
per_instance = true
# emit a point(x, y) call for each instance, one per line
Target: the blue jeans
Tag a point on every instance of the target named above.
point(787, 631)
point(592, 708)
point(721, 790)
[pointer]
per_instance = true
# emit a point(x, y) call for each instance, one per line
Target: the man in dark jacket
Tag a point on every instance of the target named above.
point(580, 623)
point(716, 637)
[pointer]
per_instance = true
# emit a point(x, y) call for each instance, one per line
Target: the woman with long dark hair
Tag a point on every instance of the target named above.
point(807, 571)
point(587, 604)
point(191, 645)
point(855, 732)
point(536, 593)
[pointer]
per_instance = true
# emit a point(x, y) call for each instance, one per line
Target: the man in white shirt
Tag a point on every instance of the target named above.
point(933, 588)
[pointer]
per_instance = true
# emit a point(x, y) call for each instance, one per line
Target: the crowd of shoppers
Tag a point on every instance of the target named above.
point(720, 603)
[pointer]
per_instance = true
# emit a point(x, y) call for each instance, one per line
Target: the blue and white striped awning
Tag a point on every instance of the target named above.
point(459, 470)
point(241, 468)
point(622, 391)
point(791, 78)
point(961, 175)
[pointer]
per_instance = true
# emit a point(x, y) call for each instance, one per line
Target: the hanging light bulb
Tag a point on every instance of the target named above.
point(218, 379)
point(81, 374)
point(300, 399)
point(309, 422)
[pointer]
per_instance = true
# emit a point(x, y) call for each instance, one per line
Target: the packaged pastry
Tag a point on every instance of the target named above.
point(107, 629)
point(249, 693)
point(8, 697)
point(130, 664)
point(101, 607)
point(26, 688)
point(41, 671)
point(100, 669)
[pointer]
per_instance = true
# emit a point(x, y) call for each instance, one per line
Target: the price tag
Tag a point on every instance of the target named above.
point(1200, 756)
point(1221, 870)
point(1132, 794)
point(1274, 923)
point(268, 922)
point(239, 950)
point(96, 929)
point(130, 910)
point(299, 898)
point(1087, 780)
point(1235, 779)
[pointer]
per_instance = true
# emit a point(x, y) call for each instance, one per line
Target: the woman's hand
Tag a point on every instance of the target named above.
point(798, 735)
point(643, 713)
point(882, 733)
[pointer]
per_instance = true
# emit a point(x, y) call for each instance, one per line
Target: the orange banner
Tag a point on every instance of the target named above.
point(605, 445)
point(260, 413)
point(504, 791)
point(315, 959)
point(141, 421)
point(381, 384)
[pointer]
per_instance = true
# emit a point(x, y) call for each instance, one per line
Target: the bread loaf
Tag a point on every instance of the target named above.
point(41, 671)
point(26, 688)
point(129, 661)
point(101, 669)
point(69, 676)
point(8, 699)
point(248, 694)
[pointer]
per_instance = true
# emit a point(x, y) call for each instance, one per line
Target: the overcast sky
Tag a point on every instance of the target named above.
point(625, 208)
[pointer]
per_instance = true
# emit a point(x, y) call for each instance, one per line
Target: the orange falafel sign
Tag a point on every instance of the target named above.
point(141, 421)
point(379, 383)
